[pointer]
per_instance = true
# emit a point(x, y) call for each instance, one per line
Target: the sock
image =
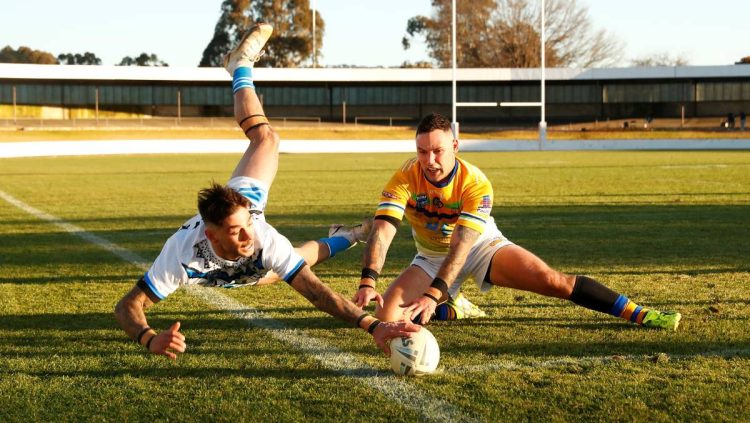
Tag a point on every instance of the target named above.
point(593, 295)
point(242, 78)
point(336, 244)
point(628, 310)
point(444, 312)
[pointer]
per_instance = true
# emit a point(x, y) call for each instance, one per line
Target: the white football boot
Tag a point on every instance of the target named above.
point(249, 49)
point(353, 234)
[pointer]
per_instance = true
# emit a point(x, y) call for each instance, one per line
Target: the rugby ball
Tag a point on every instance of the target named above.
point(415, 356)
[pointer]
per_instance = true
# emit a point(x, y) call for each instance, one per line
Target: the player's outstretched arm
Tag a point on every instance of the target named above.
point(373, 259)
point(462, 240)
point(325, 299)
point(130, 314)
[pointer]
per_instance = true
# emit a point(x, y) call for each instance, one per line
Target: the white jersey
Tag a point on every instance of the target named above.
point(188, 257)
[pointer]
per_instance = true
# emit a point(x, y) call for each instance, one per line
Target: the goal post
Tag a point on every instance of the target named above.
point(541, 104)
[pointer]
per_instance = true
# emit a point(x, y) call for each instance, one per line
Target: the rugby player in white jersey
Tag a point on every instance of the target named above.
point(229, 242)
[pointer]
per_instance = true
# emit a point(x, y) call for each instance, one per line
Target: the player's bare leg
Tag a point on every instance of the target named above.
point(261, 158)
point(514, 267)
point(340, 238)
point(410, 284)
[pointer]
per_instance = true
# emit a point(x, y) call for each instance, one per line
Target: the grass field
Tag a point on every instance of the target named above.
point(669, 229)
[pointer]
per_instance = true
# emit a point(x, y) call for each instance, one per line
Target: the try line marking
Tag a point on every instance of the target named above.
point(332, 358)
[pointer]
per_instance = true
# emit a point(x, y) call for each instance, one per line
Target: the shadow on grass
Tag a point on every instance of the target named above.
point(213, 373)
point(42, 332)
point(647, 238)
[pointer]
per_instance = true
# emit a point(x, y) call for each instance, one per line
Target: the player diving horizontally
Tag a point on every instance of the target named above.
point(448, 202)
point(229, 242)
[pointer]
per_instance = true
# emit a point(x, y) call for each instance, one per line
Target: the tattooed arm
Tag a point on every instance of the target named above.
point(130, 314)
point(322, 297)
point(462, 240)
point(373, 258)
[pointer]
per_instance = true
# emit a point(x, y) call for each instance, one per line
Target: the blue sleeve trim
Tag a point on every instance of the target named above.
point(472, 217)
point(389, 204)
point(152, 287)
point(290, 276)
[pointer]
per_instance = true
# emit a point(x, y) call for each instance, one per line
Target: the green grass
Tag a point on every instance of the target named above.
point(669, 229)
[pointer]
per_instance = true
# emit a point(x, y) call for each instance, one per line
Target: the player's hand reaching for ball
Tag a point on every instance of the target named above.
point(385, 331)
point(365, 294)
point(168, 342)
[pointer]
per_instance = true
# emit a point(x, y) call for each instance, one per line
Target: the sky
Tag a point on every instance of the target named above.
point(358, 32)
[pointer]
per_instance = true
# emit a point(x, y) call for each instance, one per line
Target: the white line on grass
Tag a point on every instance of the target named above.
point(402, 393)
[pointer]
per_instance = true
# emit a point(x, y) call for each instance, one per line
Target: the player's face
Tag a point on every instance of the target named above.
point(235, 237)
point(436, 152)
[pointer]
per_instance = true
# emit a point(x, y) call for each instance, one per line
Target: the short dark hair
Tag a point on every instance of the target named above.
point(432, 122)
point(217, 202)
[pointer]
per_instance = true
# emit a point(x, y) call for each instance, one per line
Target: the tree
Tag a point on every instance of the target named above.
point(87, 58)
point(505, 33)
point(291, 44)
point(744, 61)
point(26, 55)
point(419, 64)
point(144, 59)
point(659, 59)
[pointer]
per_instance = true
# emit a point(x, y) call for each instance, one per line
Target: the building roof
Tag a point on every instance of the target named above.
point(176, 74)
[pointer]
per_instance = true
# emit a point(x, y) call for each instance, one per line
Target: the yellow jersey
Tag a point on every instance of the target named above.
point(434, 210)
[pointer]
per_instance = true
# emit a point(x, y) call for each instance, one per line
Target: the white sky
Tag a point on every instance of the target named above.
point(358, 32)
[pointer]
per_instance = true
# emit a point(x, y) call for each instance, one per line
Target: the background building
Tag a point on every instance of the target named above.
point(343, 94)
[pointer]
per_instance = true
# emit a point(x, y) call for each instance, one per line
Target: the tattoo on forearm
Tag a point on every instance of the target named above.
point(307, 284)
point(462, 240)
point(376, 250)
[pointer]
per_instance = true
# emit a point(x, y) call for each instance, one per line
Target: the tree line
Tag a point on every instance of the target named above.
point(490, 33)
point(28, 55)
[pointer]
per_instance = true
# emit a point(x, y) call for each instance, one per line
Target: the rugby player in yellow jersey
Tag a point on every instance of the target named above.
point(448, 202)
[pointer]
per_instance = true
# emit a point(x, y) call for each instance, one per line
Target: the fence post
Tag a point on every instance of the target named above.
point(14, 106)
point(682, 122)
point(343, 112)
point(179, 106)
point(96, 105)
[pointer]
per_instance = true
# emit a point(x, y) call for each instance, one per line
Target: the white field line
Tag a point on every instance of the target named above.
point(399, 391)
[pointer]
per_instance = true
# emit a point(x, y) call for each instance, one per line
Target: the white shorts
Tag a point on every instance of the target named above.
point(477, 262)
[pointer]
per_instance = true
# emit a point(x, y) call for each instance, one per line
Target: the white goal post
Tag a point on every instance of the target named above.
point(540, 104)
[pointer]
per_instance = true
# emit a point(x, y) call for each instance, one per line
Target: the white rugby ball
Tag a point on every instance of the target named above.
point(415, 356)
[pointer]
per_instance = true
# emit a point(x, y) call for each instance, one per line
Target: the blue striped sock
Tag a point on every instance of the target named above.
point(444, 312)
point(242, 78)
point(336, 244)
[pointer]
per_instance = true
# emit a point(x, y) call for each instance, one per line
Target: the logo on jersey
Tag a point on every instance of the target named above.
point(422, 201)
point(485, 207)
point(496, 241)
point(219, 272)
point(387, 194)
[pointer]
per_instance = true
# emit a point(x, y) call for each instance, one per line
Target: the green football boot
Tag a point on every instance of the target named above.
point(668, 320)
point(464, 308)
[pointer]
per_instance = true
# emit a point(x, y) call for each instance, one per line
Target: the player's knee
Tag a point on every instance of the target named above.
point(556, 283)
point(390, 312)
point(263, 136)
